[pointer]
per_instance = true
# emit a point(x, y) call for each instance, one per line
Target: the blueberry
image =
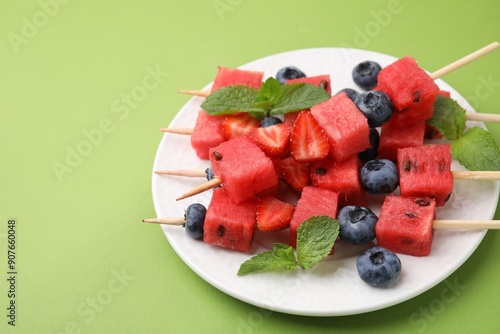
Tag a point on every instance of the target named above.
point(195, 219)
point(365, 74)
point(289, 72)
point(378, 266)
point(351, 93)
point(376, 106)
point(372, 152)
point(379, 176)
point(357, 224)
point(268, 121)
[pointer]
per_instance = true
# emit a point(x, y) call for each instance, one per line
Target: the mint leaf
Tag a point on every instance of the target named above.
point(477, 150)
point(449, 118)
point(232, 99)
point(299, 96)
point(267, 94)
point(281, 257)
point(315, 239)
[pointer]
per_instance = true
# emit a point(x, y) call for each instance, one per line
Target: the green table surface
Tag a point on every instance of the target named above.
point(84, 263)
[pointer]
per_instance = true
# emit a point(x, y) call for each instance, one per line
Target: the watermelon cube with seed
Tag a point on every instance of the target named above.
point(411, 90)
point(405, 225)
point(322, 81)
point(425, 171)
point(229, 225)
point(313, 201)
point(342, 177)
point(345, 126)
point(243, 167)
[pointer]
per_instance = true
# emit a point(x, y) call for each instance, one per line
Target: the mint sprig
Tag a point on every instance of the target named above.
point(315, 239)
point(448, 118)
point(271, 98)
point(476, 150)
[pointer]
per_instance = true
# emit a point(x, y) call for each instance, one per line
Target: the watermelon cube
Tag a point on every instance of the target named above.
point(405, 225)
point(342, 177)
point(243, 167)
point(322, 81)
point(229, 225)
point(207, 133)
point(208, 130)
point(234, 76)
point(411, 90)
point(313, 201)
point(393, 137)
point(345, 126)
point(425, 171)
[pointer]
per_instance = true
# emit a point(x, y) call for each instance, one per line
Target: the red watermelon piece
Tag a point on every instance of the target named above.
point(229, 225)
point(411, 90)
point(425, 171)
point(345, 126)
point(405, 225)
point(342, 177)
point(243, 167)
point(207, 133)
point(313, 201)
point(393, 138)
point(322, 81)
point(235, 76)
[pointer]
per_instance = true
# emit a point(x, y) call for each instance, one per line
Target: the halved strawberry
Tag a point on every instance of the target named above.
point(239, 125)
point(308, 142)
point(295, 174)
point(273, 140)
point(273, 214)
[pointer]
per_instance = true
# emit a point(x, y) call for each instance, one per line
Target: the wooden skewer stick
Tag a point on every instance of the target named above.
point(167, 221)
point(480, 117)
point(201, 188)
point(181, 131)
point(465, 60)
point(183, 172)
point(203, 93)
point(476, 175)
point(467, 224)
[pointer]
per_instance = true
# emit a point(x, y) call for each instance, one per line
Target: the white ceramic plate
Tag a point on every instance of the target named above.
point(332, 287)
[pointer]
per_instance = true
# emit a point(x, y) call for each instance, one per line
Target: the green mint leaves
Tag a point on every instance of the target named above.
point(448, 118)
point(315, 239)
point(477, 150)
point(270, 99)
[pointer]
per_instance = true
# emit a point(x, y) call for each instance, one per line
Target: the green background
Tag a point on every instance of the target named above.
point(85, 262)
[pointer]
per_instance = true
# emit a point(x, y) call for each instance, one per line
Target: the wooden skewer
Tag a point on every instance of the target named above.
point(467, 224)
point(476, 175)
point(215, 182)
point(465, 60)
point(183, 172)
point(203, 93)
point(181, 131)
point(167, 221)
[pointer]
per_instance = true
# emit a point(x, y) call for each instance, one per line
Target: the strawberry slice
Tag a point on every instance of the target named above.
point(308, 142)
point(273, 140)
point(239, 125)
point(273, 214)
point(295, 174)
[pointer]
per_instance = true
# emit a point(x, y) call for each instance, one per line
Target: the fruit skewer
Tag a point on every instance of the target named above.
point(216, 181)
point(470, 116)
point(434, 75)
